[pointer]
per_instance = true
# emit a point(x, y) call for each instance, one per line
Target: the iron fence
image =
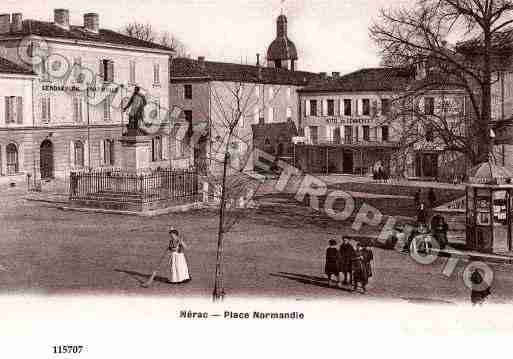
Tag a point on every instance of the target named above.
point(118, 185)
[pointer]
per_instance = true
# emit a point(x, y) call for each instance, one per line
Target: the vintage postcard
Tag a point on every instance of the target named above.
point(171, 170)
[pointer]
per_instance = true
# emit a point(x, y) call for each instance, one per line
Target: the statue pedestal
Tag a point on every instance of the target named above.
point(135, 152)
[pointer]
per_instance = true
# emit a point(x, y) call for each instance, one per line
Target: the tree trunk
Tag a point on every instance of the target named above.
point(484, 144)
point(218, 294)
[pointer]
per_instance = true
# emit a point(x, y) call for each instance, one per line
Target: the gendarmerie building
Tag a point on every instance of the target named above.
point(269, 93)
point(47, 127)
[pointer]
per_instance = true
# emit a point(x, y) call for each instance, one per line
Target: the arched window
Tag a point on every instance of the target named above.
point(108, 152)
point(12, 159)
point(79, 154)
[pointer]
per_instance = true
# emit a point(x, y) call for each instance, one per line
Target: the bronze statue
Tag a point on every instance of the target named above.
point(137, 103)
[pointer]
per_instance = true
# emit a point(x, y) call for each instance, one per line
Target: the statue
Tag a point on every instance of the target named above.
point(136, 114)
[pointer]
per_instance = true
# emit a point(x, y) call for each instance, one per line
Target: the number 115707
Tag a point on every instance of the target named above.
point(68, 349)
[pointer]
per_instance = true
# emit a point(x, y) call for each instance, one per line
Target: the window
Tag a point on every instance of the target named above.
point(366, 107)
point(79, 154)
point(13, 109)
point(385, 106)
point(313, 107)
point(331, 107)
point(77, 109)
point(156, 74)
point(106, 72)
point(314, 134)
point(384, 134)
point(366, 133)
point(108, 152)
point(348, 134)
point(289, 113)
point(429, 105)
point(156, 149)
point(357, 133)
point(132, 72)
point(347, 108)
point(428, 132)
point(270, 115)
point(188, 119)
point(77, 70)
point(107, 108)
point(12, 159)
point(187, 90)
point(46, 113)
point(336, 135)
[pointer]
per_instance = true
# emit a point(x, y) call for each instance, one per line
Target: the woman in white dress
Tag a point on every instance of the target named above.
point(177, 262)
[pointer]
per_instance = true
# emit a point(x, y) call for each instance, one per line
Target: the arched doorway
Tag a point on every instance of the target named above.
point(46, 159)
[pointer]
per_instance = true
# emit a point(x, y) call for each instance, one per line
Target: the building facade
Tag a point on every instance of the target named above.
point(354, 124)
point(83, 74)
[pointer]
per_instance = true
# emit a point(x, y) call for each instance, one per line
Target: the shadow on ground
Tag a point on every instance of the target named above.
point(309, 280)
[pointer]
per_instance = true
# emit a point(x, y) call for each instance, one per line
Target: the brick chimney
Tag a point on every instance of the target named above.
point(17, 22)
point(61, 18)
point(5, 23)
point(92, 22)
point(201, 62)
point(323, 75)
point(258, 60)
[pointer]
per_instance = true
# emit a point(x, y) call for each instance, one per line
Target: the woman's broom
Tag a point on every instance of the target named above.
point(154, 274)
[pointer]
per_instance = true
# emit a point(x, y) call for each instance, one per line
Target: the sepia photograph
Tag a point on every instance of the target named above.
point(186, 164)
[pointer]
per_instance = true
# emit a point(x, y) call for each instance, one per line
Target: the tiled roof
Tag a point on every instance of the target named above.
point(50, 30)
point(275, 130)
point(8, 67)
point(371, 79)
point(223, 71)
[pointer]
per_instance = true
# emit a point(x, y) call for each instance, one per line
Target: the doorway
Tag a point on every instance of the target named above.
point(347, 162)
point(46, 160)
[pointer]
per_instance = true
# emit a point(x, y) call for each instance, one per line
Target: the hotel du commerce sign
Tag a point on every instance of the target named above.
point(349, 121)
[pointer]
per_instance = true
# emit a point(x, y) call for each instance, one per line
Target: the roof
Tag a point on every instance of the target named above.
point(8, 67)
point(282, 48)
point(182, 68)
point(370, 79)
point(275, 129)
point(50, 30)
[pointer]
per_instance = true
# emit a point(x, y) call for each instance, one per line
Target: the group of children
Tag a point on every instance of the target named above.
point(353, 264)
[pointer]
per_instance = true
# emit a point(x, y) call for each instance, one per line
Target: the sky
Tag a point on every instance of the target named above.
point(330, 35)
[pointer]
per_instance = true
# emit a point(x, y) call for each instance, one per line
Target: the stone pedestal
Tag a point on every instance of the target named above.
point(135, 152)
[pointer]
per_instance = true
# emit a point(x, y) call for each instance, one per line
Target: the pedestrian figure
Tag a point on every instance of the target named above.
point(368, 257)
point(136, 103)
point(416, 199)
point(346, 256)
point(480, 289)
point(359, 270)
point(332, 265)
point(439, 228)
point(179, 271)
point(421, 214)
point(431, 198)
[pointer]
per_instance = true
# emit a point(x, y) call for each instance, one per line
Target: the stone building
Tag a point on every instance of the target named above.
point(208, 91)
point(350, 124)
point(83, 72)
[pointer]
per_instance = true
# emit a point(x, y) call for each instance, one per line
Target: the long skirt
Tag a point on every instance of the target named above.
point(178, 268)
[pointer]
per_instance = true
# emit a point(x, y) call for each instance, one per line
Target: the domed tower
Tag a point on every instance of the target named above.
point(282, 52)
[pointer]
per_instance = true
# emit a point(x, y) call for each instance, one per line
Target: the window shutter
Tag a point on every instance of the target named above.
point(341, 107)
point(110, 71)
point(165, 148)
point(101, 71)
point(307, 134)
point(7, 110)
point(324, 107)
point(86, 153)
point(319, 108)
point(71, 154)
point(102, 153)
point(307, 108)
point(19, 104)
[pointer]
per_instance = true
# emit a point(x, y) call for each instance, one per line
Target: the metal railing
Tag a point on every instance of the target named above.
point(121, 186)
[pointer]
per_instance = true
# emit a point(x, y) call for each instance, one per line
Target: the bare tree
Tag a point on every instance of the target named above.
point(419, 37)
point(146, 32)
point(140, 31)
